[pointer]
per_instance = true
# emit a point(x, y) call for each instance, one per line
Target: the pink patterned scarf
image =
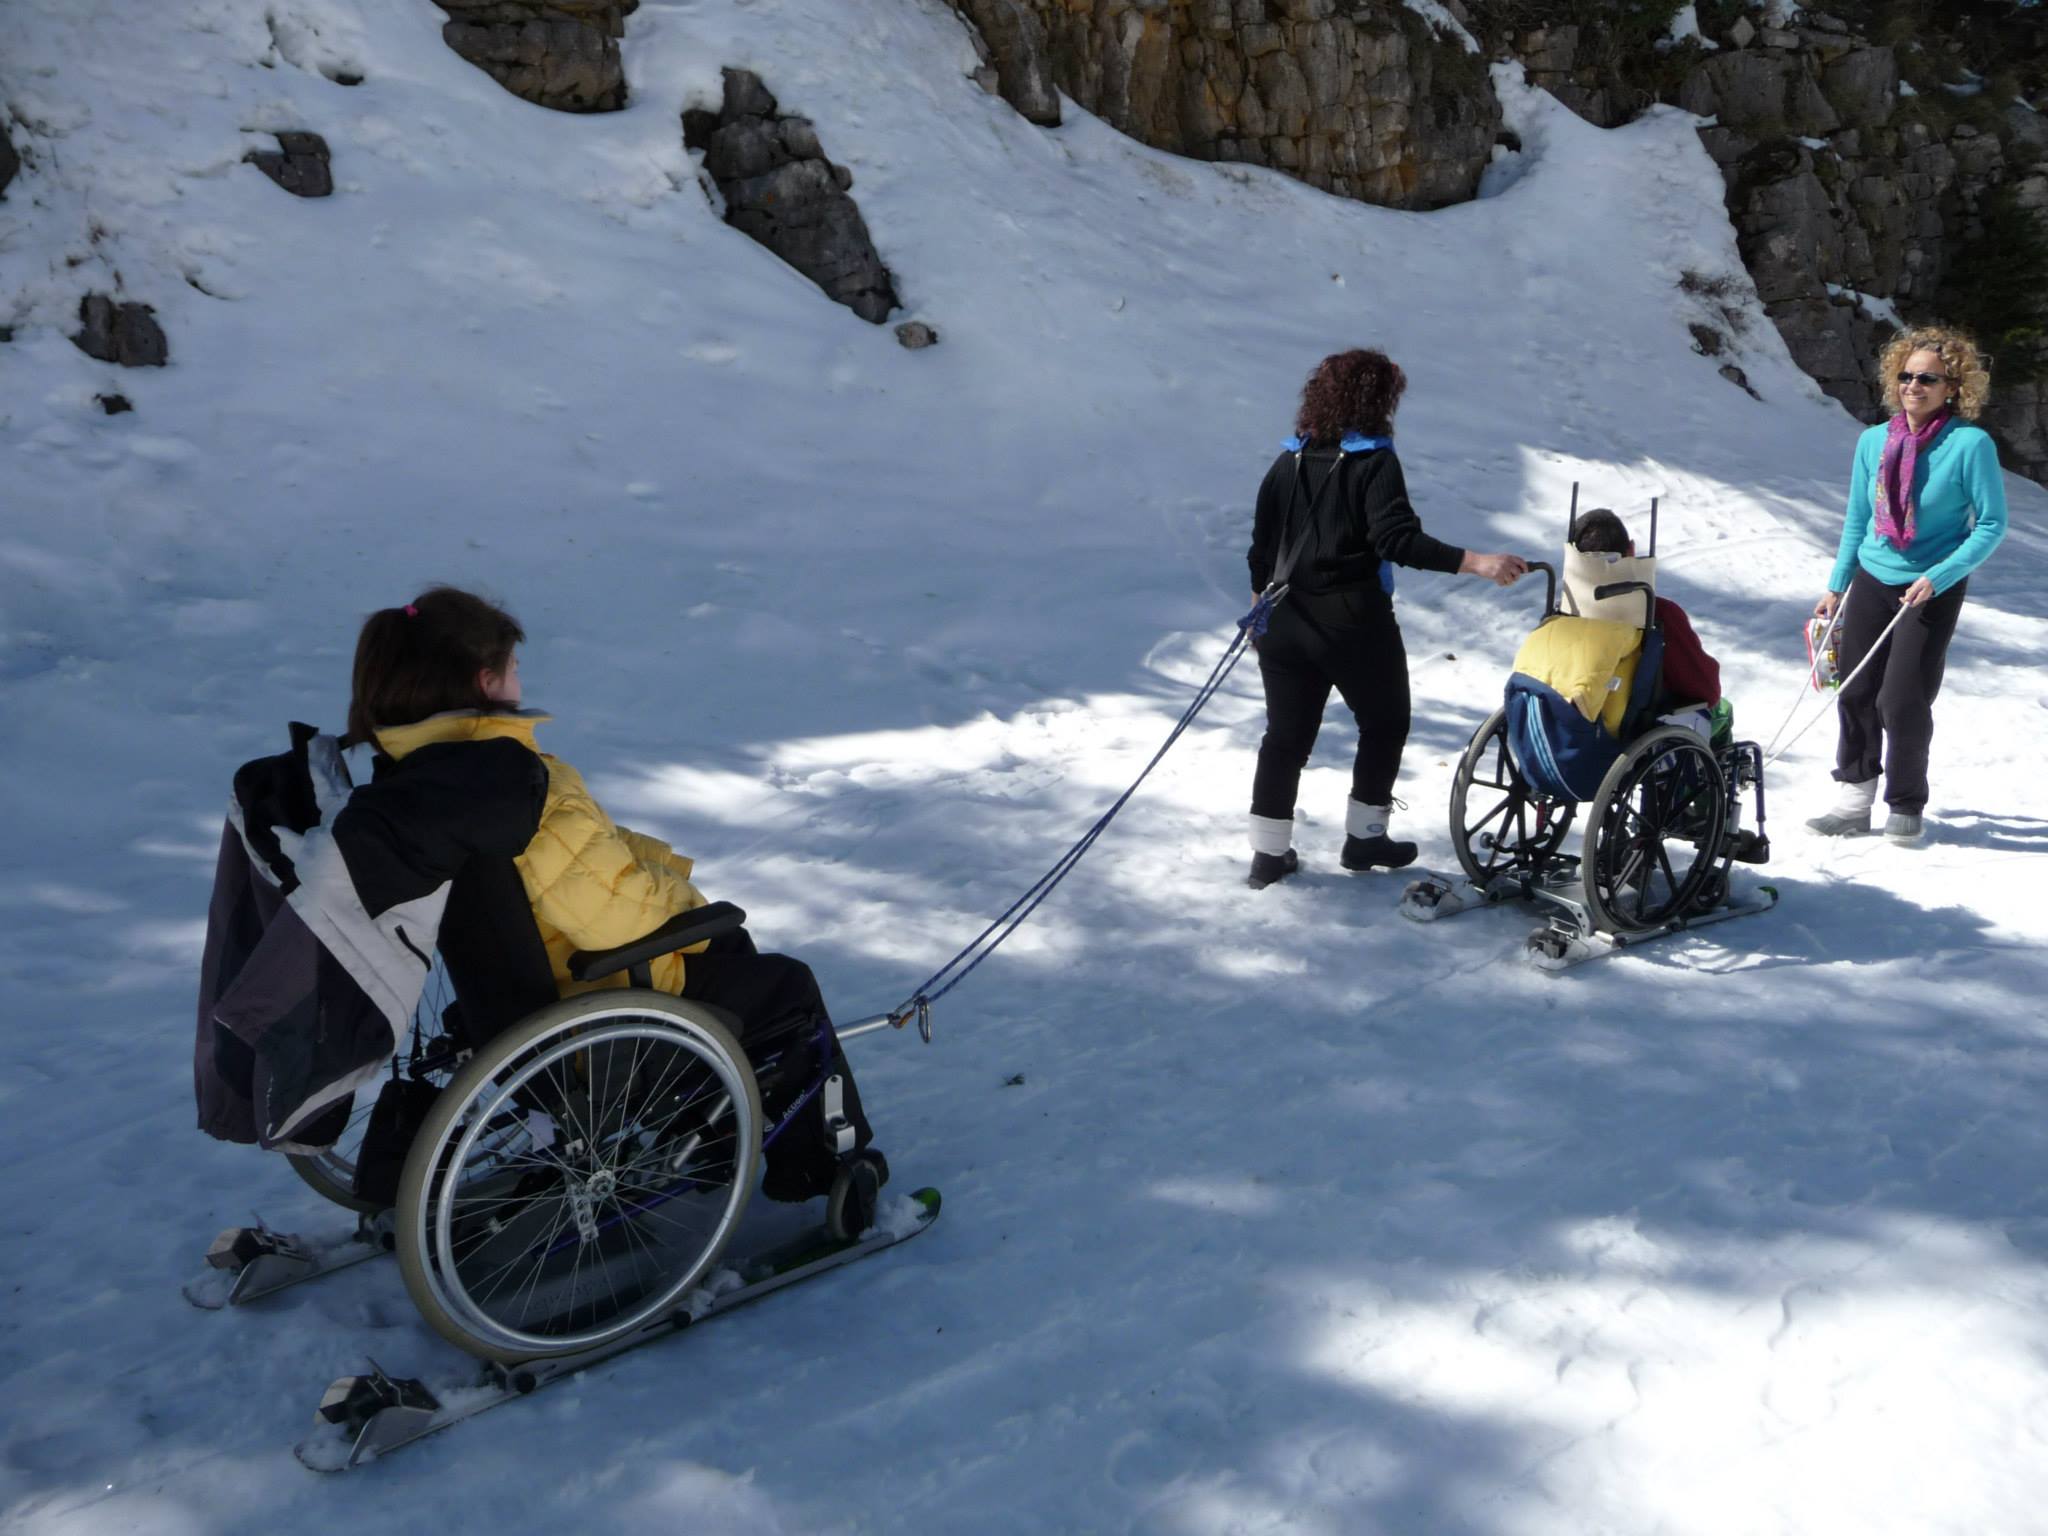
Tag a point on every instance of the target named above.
point(1894, 495)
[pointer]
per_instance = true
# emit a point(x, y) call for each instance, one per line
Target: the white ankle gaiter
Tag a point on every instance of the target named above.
point(1272, 835)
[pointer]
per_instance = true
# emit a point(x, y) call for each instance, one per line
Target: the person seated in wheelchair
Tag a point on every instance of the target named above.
point(440, 675)
point(1613, 661)
point(1690, 684)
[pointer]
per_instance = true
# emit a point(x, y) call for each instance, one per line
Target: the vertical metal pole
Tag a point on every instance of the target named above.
point(1571, 518)
point(1653, 527)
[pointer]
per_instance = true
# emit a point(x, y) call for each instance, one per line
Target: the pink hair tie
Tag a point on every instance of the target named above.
point(411, 612)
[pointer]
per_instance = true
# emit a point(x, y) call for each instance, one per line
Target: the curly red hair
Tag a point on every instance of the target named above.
point(1355, 391)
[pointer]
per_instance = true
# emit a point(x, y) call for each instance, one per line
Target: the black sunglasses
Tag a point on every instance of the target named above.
point(1927, 380)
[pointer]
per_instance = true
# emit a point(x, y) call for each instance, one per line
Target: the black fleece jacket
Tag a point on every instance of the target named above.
point(1361, 520)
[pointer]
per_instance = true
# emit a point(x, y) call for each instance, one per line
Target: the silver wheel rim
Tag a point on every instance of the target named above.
point(623, 1216)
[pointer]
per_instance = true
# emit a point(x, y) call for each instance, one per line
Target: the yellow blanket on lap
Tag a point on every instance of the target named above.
point(1592, 662)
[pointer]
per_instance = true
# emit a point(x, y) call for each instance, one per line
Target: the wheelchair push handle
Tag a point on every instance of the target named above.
point(1549, 582)
point(1618, 588)
point(679, 932)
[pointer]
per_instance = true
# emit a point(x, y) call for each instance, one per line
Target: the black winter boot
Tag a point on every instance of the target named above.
point(1268, 867)
point(1381, 852)
point(1366, 844)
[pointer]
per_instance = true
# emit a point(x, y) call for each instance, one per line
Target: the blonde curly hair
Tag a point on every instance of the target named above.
point(1960, 360)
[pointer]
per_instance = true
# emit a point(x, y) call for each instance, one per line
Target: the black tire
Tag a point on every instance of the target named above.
point(1654, 833)
point(1489, 798)
point(609, 1140)
point(332, 1173)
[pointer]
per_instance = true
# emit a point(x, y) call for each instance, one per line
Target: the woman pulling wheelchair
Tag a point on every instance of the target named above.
point(442, 672)
point(1333, 521)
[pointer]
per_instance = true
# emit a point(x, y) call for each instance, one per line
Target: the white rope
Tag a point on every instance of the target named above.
point(1820, 715)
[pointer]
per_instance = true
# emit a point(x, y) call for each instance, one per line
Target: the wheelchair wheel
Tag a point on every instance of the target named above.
point(1654, 835)
point(579, 1175)
point(332, 1173)
point(1498, 823)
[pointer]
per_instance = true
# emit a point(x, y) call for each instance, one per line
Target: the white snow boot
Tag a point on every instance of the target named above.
point(1366, 844)
point(1851, 815)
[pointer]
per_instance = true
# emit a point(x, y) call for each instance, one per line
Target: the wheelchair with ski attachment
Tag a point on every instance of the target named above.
point(1662, 797)
point(560, 1176)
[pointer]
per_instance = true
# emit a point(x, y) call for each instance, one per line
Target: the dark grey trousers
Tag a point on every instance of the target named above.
point(1887, 714)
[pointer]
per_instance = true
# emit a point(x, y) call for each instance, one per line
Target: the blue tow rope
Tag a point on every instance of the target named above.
point(1250, 627)
point(961, 966)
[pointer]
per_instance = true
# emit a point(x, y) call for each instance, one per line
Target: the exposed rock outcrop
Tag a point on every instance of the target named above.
point(120, 333)
point(1014, 57)
point(1358, 97)
point(1852, 195)
point(562, 54)
point(780, 189)
point(299, 164)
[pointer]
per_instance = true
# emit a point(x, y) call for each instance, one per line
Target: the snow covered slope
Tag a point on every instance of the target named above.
point(1265, 1210)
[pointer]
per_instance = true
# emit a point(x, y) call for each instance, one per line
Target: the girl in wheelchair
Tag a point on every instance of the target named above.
point(440, 676)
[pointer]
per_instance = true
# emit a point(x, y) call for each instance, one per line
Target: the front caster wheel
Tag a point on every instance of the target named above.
point(856, 1195)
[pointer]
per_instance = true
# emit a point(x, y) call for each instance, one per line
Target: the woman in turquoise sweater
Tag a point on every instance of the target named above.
point(1926, 507)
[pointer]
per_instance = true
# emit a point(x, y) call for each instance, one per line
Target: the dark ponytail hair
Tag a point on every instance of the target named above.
point(423, 659)
point(1355, 391)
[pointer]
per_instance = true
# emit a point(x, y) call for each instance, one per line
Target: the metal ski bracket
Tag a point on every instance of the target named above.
point(377, 1411)
point(1423, 897)
point(260, 1259)
point(837, 1126)
point(924, 1019)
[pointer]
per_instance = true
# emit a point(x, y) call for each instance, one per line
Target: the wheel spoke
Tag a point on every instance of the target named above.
point(562, 1218)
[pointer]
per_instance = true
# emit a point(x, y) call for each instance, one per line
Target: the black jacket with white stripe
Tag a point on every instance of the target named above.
point(327, 904)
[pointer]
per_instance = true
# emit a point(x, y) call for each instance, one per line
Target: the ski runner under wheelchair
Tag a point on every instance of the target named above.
point(1589, 716)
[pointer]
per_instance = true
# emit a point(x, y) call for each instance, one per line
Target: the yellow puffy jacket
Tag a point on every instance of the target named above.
point(593, 884)
point(1592, 662)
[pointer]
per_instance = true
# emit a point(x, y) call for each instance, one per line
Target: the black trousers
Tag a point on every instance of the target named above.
point(1348, 641)
point(1887, 714)
point(779, 1007)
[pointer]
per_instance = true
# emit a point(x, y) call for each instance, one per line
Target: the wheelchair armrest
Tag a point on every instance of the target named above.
point(679, 932)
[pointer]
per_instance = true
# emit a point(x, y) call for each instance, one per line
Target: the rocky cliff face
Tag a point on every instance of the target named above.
point(1359, 97)
point(1851, 204)
point(1857, 198)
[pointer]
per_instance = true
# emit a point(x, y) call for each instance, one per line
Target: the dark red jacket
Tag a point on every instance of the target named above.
point(1691, 676)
